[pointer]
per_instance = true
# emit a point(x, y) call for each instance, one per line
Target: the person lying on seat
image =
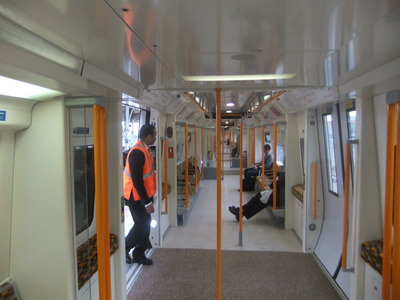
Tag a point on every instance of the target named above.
point(258, 202)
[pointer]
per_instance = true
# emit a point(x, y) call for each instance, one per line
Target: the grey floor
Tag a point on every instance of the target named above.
point(199, 232)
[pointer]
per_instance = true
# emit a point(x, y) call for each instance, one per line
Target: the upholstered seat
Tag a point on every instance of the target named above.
point(372, 253)
point(87, 258)
point(298, 191)
point(8, 291)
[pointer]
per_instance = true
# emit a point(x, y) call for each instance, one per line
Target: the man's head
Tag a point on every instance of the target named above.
point(267, 148)
point(147, 134)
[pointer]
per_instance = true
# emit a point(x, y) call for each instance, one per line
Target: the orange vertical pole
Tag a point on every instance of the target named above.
point(396, 218)
point(166, 174)
point(241, 185)
point(231, 147)
point(186, 167)
point(101, 190)
point(219, 219)
point(263, 158)
point(274, 169)
point(249, 158)
point(253, 142)
point(202, 150)
point(315, 169)
point(223, 155)
point(346, 206)
point(387, 236)
point(195, 157)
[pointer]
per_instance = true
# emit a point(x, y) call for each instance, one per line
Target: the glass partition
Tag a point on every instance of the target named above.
point(330, 153)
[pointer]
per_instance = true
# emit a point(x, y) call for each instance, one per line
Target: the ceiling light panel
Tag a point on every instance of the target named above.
point(15, 88)
point(240, 77)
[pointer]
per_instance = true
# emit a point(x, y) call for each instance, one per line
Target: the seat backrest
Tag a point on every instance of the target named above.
point(8, 290)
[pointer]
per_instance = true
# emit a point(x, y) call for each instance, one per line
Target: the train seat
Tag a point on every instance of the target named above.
point(166, 189)
point(87, 258)
point(298, 191)
point(8, 290)
point(372, 254)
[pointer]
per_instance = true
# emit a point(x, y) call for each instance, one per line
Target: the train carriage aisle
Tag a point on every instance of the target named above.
point(269, 265)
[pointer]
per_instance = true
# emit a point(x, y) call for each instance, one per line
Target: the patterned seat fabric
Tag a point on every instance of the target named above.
point(298, 191)
point(372, 253)
point(87, 258)
point(7, 291)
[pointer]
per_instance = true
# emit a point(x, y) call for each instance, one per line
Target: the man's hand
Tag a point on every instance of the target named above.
point(150, 209)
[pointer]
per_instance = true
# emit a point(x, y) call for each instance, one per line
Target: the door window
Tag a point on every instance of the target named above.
point(330, 154)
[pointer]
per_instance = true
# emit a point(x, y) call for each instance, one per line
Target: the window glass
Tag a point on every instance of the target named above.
point(330, 154)
point(280, 154)
point(131, 122)
point(83, 186)
point(351, 126)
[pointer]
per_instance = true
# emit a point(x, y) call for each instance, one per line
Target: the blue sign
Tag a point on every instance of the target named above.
point(81, 130)
point(2, 115)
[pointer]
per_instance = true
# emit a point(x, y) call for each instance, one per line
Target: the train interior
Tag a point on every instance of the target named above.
point(318, 81)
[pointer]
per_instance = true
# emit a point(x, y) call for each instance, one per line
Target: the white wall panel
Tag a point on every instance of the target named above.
point(41, 251)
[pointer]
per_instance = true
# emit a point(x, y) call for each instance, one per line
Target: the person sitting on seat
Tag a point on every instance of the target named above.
point(255, 171)
point(234, 150)
point(259, 201)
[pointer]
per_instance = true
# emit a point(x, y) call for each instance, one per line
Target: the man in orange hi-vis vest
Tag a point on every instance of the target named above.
point(139, 189)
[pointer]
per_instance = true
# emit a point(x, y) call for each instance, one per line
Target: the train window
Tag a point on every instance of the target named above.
point(351, 127)
point(84, 186)
point(330, 153)
point(267, 137)
point(302, 155)
point(132, 118)
point(280, 154)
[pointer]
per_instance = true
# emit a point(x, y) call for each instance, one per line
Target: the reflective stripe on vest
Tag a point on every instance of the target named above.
point(149, 176)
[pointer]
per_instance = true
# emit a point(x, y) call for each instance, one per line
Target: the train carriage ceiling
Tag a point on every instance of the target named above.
point(147, 48)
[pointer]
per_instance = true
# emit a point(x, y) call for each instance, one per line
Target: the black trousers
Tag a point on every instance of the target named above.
point(248, 181)
point(254, 205)
point(138, 236)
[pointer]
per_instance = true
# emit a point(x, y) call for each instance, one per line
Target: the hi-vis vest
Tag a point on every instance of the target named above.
point(149, 176)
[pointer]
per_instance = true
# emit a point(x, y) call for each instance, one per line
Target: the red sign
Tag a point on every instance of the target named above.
point(170, 152)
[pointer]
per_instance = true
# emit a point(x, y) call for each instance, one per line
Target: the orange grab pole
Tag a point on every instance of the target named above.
point(166, 174)
point(274, 168)
point(202, 150)
point(396, 221)
point(387, 236)
point(253, 144)
point(263, 158)
point(186, 167)
point(241, 184)
point(219, 210)
point(195, 156)
point(346, 206)
point(101, 190)
point(223, 155)
point(249, 158)
point(315, 190)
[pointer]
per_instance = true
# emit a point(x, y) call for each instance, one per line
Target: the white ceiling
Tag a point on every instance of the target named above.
point(326, 43)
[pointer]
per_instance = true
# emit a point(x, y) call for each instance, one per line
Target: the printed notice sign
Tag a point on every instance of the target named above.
point(2, 115)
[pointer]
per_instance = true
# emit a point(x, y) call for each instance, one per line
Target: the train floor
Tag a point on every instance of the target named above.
point(187, 255)
point(200, 230)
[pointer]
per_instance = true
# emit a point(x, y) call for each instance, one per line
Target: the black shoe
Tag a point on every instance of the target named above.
point(128, 259)
point(234, 210)
point(142, 260)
